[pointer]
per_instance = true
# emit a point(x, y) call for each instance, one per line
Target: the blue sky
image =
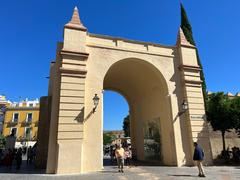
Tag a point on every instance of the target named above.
point(30, 30)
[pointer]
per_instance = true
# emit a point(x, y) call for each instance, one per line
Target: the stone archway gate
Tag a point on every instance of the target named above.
point(82, 60)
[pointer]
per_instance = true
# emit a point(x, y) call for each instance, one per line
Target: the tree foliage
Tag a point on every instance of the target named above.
point(108, 138)
point(219, 114)
point(235, 113)
point(126, 126)
point(187, 30)
point(2, 141)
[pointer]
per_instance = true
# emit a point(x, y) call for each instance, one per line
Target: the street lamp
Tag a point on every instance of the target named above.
point(184, 105)
point(95, 102)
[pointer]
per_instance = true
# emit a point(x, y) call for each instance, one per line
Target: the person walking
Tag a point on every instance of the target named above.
point(198, 157)
point(112, 154)
point(119, 153)
point(29, 155)
point(128, 156)
point(19, 158)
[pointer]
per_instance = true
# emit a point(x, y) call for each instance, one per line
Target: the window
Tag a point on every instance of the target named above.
point(27, 132)
point(14, 131)
point(31, 105)
point(29, 117)
point(15, 117)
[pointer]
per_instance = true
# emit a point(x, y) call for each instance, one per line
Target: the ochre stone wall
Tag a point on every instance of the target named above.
point(154, 79)
point(43, 132)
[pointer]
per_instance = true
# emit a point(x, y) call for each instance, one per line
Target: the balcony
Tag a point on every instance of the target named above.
point(36, 124)
point(25, 139)
point(11, 124)
point(25, 124)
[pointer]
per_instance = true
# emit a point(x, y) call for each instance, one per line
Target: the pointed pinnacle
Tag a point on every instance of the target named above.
point(75, 21)
point(75, 17)
point(182, 40)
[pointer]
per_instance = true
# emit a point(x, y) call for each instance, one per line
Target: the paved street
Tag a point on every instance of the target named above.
point(136, 172)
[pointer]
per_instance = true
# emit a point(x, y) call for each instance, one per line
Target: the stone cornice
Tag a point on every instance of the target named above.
point(75, 27)
point(116, 48)
point(73, 71)
point(74, 53)
point(189, 68)
point(193, 81)
point(21, 108)
point(129, 40)
point(187, 46)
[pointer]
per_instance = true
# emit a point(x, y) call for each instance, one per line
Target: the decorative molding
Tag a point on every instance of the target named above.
point(83, 55)
point(75, 27)
point(187, 46)
point(189, 67)
point(76, 64)
point(22, 108)
point(129, 40)
point(193, 82)
point(117, 48)
point(73, 75)
point(73, 71)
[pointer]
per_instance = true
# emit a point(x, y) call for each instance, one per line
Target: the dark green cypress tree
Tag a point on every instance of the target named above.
point(187, 30)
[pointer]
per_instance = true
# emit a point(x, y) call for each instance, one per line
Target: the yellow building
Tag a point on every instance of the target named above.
point(22, 119)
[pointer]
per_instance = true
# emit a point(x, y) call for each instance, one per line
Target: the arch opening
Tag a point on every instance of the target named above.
point(146, 91)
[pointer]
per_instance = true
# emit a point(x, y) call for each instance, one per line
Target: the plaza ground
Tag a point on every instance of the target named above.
point(134, 172)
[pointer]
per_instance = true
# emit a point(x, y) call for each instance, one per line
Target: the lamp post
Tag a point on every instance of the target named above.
point(95, 102)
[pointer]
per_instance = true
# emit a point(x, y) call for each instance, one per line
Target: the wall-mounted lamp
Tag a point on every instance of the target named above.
point(184, 107)
point(95, 102)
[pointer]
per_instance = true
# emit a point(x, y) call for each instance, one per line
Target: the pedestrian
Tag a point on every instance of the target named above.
point(8, 160)
point(127, 155)
point(1, 156)
point(119, 153)
point(29, 155)
point(34, 152)
point(112, 154)
point(19, 158)
point(198, 157)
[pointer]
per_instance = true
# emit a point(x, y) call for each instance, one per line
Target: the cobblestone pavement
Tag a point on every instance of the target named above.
point(136, 172)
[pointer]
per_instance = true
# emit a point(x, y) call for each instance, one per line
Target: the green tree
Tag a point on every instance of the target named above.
point(187, 30)
point(107, 138)
point(2, 141)
point(235, 113)
point(126, 126)
point(219, 114)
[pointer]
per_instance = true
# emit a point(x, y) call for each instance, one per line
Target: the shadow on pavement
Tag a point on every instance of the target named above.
point(181, 175)
point(25, 169)
point(108, 162)
point(109, 171)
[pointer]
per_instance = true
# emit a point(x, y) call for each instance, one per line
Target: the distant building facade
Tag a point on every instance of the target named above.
point(22, 118)
point(118, 134)
point(3, 104)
